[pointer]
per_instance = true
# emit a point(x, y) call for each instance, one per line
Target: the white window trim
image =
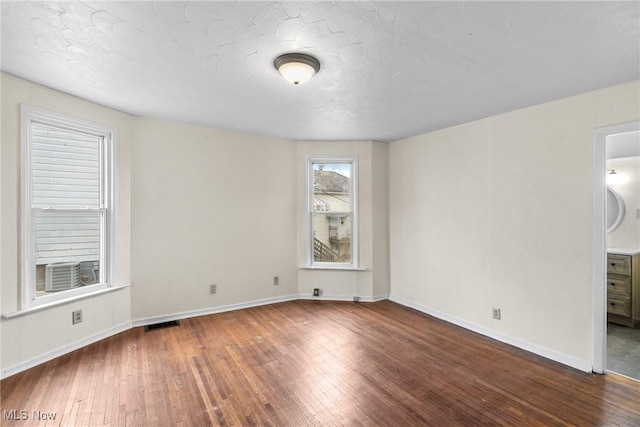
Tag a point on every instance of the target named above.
point(354, 264)
point(28, 115)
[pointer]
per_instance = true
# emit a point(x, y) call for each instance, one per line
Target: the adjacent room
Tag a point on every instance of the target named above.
point(320, 213)
point(623, 252)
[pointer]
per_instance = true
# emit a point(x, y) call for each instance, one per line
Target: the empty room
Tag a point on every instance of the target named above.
point(378, 213)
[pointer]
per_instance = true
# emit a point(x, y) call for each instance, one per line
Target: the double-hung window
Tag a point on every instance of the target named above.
point(67, 206)
point(332, 219)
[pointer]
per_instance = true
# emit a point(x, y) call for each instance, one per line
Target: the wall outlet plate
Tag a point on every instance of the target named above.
point(276, 280)
point(496, 313)
point(213, 288)
point(76, 317)
point(316, 292)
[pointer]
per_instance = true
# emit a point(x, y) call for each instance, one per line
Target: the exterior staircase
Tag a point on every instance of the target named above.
point(323, 253)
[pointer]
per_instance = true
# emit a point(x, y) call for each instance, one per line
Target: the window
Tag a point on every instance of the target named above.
point(332, 212)
point(67, 206)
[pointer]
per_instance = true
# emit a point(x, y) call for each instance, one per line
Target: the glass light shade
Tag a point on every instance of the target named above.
point(615, 178)
point(296, 67)
point(296, 72)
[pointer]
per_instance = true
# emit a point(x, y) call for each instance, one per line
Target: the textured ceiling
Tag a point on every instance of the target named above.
point(389, 69)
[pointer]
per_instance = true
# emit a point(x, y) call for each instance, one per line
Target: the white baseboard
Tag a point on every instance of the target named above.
point(23, 366)
point(344, 298)
point(374, 298)
point(562, 358)
point(213, 310)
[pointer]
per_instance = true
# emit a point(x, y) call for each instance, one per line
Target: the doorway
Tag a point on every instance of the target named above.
point(616, 192)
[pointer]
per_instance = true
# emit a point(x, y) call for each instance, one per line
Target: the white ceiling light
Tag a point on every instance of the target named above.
point(616, 178)
point(296, 67)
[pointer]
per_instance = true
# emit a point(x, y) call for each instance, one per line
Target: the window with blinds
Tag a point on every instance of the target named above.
point(66, 194)
point(67, 203)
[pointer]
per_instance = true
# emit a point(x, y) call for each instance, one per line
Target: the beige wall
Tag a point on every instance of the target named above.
point(28, 337)
point(210, 206)
point(498, 213)
point(371, 283)
point(380, 222)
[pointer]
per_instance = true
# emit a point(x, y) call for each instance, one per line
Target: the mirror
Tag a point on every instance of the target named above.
point(615, 209)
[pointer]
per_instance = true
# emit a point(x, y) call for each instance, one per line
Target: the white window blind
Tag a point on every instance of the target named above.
point(66, 194)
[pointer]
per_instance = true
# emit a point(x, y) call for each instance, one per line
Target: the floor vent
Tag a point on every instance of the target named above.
point(162, 325)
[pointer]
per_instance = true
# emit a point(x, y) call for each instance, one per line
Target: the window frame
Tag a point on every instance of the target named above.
point(29, 115)
point(353, 161)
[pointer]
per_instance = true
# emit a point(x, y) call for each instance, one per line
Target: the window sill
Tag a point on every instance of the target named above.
point(328, 267)
point(62, 302)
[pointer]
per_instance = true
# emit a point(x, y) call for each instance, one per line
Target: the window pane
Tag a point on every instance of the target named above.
point(331, 212)
point(67, 249)
point(332, 187)
point(332, 237)
point(65, 168)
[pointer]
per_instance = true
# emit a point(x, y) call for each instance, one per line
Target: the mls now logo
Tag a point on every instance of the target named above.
point(14, 414)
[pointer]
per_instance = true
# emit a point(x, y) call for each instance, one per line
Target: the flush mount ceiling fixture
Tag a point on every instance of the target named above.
point(616, 178)
point(296, 67)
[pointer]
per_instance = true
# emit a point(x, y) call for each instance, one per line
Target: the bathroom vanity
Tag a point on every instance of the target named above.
point(623, 287)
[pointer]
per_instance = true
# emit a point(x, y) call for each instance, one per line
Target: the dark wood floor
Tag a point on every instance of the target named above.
point(315, 363)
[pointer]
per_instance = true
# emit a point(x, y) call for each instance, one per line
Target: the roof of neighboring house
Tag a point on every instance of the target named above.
point(330, 182)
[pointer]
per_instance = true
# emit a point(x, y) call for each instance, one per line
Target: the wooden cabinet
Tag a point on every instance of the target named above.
point(623, 289)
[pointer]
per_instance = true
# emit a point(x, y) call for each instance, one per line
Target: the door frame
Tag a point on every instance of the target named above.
point(600, 240)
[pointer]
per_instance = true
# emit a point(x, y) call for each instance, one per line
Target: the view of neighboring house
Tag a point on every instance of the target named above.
point(331, 213)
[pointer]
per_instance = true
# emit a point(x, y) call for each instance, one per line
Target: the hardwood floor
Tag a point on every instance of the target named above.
point(318, 363)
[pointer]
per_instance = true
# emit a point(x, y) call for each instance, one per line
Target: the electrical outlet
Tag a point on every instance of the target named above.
point(276, 280)
point(637, 212)
point(496, 313)
point(316, 292)
point(213, 288)
point(76, 317)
